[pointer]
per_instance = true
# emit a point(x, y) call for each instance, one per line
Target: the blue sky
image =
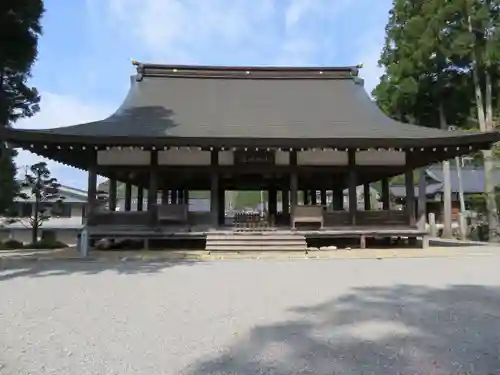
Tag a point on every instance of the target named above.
point(84, 65)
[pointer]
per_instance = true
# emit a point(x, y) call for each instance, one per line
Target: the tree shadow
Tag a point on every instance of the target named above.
point(26, 268)
point(383, 331)
point(144, 121)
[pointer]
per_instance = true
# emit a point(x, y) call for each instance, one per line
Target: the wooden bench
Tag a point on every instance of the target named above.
point(306, 215)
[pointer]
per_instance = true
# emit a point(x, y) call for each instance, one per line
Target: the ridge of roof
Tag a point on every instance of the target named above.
point(245, 72)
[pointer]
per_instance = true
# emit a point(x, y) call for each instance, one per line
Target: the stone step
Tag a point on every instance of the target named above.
point(253, 237)
point(255, 243)
point(255, 248)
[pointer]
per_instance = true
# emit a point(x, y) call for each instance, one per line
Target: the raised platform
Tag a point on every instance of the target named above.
point(271, 239)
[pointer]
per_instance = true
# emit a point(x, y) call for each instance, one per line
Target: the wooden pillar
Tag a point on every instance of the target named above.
point(173, 196)
point(410, 191)
point(352, 183)
point(294, 181)
point(312, 193)
point(164, 196)
point(323, 197)
point(367, 197)
point(186, 197)
point(285, 201)
point(222, 204)
point(91, 191)
point(385, 194)
point(140, 198)
point(214, 188)
point(112, 195)
point(153, 186)
point(128, 196)
point(338, 199)
point(305, 194)
point(272, 201)
point(422, 199)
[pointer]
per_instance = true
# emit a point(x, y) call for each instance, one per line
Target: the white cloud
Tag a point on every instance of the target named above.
point(222, 31)
point(56, 111)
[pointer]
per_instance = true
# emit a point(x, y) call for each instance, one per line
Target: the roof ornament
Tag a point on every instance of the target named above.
point(140, 69)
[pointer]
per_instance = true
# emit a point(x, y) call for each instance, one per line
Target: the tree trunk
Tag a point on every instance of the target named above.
point(484, 126)
point(489, 183)
point(447, 229)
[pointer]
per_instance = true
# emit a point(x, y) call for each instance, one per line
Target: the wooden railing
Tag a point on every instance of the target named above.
point(132, 218)
point(366, 218)
point(382, 218)
point(177, 213)
point(336, 218)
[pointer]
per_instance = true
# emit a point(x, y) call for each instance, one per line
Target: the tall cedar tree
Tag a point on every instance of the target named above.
point(423, 76)
point(483, 22)
point(19, 32)
point(473, 28)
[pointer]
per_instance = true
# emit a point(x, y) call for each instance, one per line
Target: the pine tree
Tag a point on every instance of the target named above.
point(42, 189)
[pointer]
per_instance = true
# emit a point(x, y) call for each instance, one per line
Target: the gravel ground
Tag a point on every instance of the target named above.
point(387, 317)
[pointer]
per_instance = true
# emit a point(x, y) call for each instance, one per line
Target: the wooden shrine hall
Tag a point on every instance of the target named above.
point(297, 131)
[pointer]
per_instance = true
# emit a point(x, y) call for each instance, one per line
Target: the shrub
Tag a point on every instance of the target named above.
point(12, 245)
point(46, 244)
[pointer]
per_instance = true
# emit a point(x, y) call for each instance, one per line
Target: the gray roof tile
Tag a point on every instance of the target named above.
point(274, 103)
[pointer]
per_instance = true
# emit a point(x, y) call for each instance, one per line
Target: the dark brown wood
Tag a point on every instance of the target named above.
point(367, 197)
point(140, 198)
point(214, 188)
point(385, 194)
point(153, 184)
point(273, 201)
point(128, 196)
point(338, 199)
point(352, 184)
point(285, 202)
point(112, 194)
point(91, 191)
point(314, 198)
point(323, 197)
point(410, 196)
point(305, 197)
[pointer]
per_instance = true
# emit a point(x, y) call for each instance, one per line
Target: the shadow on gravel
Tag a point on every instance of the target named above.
point(22, 268)
point(381, 331)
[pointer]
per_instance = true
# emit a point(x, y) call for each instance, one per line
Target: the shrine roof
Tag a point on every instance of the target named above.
point(231, 106)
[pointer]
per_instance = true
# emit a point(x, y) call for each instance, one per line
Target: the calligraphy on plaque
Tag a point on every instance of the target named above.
point(256, 157)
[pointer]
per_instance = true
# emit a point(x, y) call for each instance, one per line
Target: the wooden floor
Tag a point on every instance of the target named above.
point(201, 233)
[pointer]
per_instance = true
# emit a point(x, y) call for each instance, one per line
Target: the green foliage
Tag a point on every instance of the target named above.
point(422, 68)
point(42, 189)
point(46, 244)
point(20, 29)
point(19, 32)
point(8, 185)
point(11, 245)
